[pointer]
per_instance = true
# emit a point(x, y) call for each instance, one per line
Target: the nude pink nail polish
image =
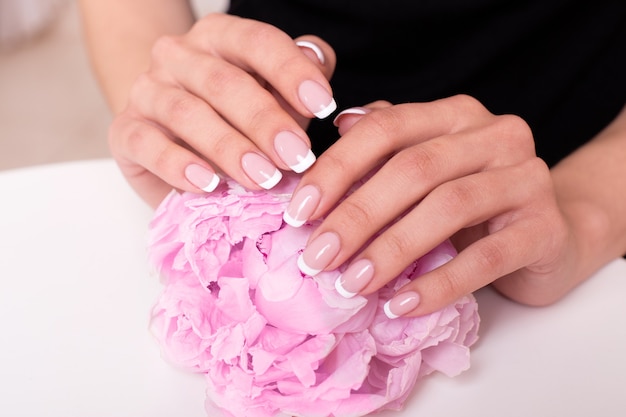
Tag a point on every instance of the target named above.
point(260, 170)
point(302, 205)
point(401, 304)
point(316, 99)
point(355, 278)
point(293, 151)
point(201, 177)
point(319, 253)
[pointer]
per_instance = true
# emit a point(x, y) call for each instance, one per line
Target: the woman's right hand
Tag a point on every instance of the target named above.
point(231, 96)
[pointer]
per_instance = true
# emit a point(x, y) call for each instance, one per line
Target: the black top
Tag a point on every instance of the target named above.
point(559, 64)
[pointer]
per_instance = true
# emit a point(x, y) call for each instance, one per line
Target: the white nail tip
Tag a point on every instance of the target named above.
point(212, 185)
point(307, 270)
point(316, 49)
point(342, 291)
point(388, 312)
point(291, 221)
point(304, 163)
point(272, 181)
point(352, 110)
point(326, 111)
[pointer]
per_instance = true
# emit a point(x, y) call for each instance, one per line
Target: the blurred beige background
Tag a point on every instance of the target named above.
point(50, 107)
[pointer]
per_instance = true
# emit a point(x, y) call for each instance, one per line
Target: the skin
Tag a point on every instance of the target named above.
point(178, 100)
point(449, 169)
point(208, 92)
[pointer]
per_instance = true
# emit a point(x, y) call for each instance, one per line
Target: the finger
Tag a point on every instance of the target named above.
point(488, 259)
point(154, 164)
point(381, 133)
point(240, 101)
point(375, 138)
point(189, 118)
point(319, 52)
point(323, 57)
point(402, 181)
point(475, 199)
point(263, 49)
point(397, 186)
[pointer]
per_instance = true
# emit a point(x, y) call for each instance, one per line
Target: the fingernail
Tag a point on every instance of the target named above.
point(316, 99)
point(355, 278)
point(260, 170)
point(352, 110)
point(319, 253)
point(401, 304)
point(293, 151)
point(201, 177)
point(312, 47)
point(302, 205)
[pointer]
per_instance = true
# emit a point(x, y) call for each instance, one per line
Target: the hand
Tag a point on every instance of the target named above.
point(448, 169)
point(233, 96)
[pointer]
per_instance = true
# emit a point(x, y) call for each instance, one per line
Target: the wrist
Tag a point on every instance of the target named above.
point(590, 233)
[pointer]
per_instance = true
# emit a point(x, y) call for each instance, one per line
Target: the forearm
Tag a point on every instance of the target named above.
point(119, 35)
point(590, 185)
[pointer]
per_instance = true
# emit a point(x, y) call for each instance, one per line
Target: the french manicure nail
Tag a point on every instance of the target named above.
point(351, 110)
point(260, 170)
point(201, 177)
point(319, 253)
point(355, 278)
point(302, 205)
point(401, 304)
point(293, 151)
point(313, 47)
point(316, 99)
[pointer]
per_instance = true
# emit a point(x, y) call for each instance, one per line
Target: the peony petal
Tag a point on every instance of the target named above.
point(448, 358)
point(272, 342)
point(281, 282)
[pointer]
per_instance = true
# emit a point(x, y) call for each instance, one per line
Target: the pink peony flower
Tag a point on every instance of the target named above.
point(271, 340)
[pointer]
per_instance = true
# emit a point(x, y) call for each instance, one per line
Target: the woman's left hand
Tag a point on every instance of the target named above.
point(448, 169)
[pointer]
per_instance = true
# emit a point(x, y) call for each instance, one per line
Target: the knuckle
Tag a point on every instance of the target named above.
point(417, 162)
point(207, 22)
point(386, 125)
point(177, 108)
point(127, 137)
point(222, 145)
point(516, 133)
point(287, 65)
point(216, 77)
point(259, 33)
point(540, 168)
point(258, 115)
point(398, 245)
point(449, 283)
point(356, 215)
point(133, 138)
point(467, 104)
point(164, 46)
point(336, 161)
point(465, 101)
point(515, 123)
point(536, 174)
point(462, 111)
point(491, 256)
point(142, 82)
point(456, 197)
point(142, 87)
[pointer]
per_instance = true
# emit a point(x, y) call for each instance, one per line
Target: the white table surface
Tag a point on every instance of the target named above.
point(76, 291)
